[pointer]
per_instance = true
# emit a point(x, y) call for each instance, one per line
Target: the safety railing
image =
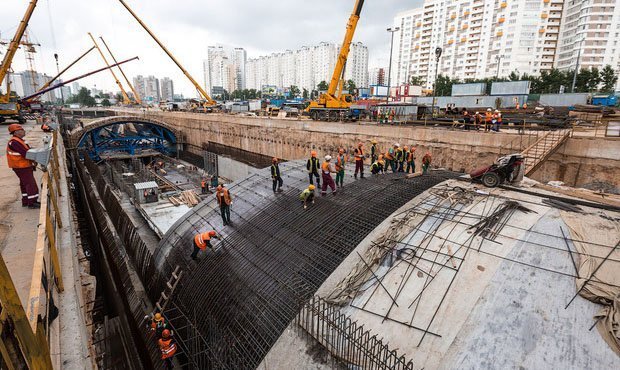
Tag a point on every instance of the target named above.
point(346, 340)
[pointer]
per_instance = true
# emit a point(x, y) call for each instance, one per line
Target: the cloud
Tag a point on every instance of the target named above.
point(187, 27)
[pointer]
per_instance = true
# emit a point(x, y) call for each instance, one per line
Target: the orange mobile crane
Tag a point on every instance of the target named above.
point(332, 104)
point(9, 106)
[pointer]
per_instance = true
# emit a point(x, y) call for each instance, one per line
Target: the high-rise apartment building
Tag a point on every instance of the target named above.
point(479, 38)
point(139, 85)
point(377, 76)
point(167, 89)
point(225, 68)
point(239, 58)
point(592, 26)
point(306, 67)
point(28, 82)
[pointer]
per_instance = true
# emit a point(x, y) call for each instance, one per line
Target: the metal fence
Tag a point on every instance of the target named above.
point(346, 340)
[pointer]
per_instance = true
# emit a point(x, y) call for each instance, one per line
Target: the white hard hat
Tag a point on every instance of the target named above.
point(477, 112)
point(488, 109)
point(328, 157)
point(396, 144)
point(496, 111)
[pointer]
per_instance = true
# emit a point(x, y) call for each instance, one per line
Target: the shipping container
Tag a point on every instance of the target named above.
point(510, 88)
point(378, 90)
point(605, 100)
point(254, 105)
point(469, 89)
point(479, 102)
point(564, 100)
point(402, 112)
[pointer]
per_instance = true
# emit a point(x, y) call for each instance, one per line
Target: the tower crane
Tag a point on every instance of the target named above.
point(208, 102)
point(10, 109)
point(332, 103)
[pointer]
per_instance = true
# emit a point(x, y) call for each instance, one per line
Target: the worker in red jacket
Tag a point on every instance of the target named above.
point(202, 241)
point(168, 348)
point(24, 168)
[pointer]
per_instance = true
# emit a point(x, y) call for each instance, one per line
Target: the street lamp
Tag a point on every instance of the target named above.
point(577, 66)
point(438, 52)
point(392, 31)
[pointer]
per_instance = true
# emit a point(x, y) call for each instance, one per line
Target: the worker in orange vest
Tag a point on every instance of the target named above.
point(224, 200)
point(202, 241)
point(411, 160)
point(359, 160)
point(158, 325)
point(16, 150)
point(488, 118)
point(326, 171)
point(426, 162)
point(168, 348)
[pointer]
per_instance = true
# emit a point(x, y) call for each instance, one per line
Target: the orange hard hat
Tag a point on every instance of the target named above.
point(165, 333)
point(341, 151)
point(313, 153)
point(15, 127)
point(158, 317)
point(311, 187)
point(212, 233)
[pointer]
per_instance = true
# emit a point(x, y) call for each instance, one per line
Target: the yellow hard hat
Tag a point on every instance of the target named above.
point(311, 187)
point(158, 317)
point(373, 141)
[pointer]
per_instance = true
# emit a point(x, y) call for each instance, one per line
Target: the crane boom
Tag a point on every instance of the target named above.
point(49, 83)
point(210, 102)
point(125, 96)
point(135, 93)
point(345, 48)
point(13, 46)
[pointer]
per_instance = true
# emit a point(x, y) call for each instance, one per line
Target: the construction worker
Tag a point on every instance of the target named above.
point(204, 186)
point(389, 159)
point(392, 115)
point(488, 118)
point(341, 161)
point(373, 151)
point(45, 125)
point(168, 348)
point(377, 166)
point(497, 120)
point(518, 106)
point(410, 160)
point(224, 200)
point(313, 166)
point(326, 171)
point(426, 162)
point(307, 195)
point(524, 106)
point(158, 325)
point(275, 176)
point(359, 160)
point(477, 121)
point(214, 182)
point(16, 150)
point(202, 241)
point(466, 119)
point(399, 155)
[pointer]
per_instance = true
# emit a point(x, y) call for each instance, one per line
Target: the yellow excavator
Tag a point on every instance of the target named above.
point(333, 105)
point(9, 106)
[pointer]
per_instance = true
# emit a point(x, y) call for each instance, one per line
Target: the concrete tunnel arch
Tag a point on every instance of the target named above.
point(100, 136)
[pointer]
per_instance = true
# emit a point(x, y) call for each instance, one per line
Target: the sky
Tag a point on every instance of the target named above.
point(187, 28)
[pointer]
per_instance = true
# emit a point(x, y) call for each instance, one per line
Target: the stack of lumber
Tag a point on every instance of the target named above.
point(188, 197)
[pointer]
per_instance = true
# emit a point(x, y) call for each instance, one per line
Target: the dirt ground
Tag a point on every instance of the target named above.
point(18, 225)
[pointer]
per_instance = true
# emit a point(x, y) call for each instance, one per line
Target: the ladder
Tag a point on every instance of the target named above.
point(536, 154)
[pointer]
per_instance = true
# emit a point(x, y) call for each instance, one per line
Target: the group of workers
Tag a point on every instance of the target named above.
point(491, 120)
point(383, 115)
point(161, 331)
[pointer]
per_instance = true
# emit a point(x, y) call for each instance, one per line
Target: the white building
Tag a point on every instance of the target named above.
point(306, 67)
point(239, 58)
point(479, 38)
point(28, 82)
point(225, 68)
point(593, 26)
point(167, 89)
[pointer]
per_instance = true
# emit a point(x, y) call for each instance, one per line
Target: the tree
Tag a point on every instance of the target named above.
point(106, 103)
point(83, 97)
point(595, 80)
point(514, 76)
point(417, 81)
point(349, 85)
point(294, 91)
point(443, 85)
point(609, 79)
point(305, 94)
point(322, 86)
point(583, 77)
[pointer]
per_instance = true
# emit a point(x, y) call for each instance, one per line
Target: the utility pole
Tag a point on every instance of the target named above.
point(577, 66)
point(392, 31)
point(438, 52)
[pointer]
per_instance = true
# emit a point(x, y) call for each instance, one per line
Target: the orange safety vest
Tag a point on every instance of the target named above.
point(201, 240)
point(388, 155)
point(488, 116)
point(223, 194)
point(325, 168)
point(15, 159)
point(360, 155)
point(410, 156)
point(167, 348)
point(203, 184)
point(339, 162)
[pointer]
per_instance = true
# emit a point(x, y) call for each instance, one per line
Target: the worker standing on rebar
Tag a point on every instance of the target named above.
point(326, 171)
point(224, 200)
point(497, 120)
point(204, 186)
point(307, 195)
point(477, 121)
point(411, 160)
point(202, 241)
point(373, 151)
point(341, 161)
point(389, 159)
point(377, 166)
point(400, 158)
point(16, 150)
point(359, 160)
point(275, 176)
point(426, 162)
point(158, 325)
point(168, 348)
point(488, 118)
point(313, 166)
